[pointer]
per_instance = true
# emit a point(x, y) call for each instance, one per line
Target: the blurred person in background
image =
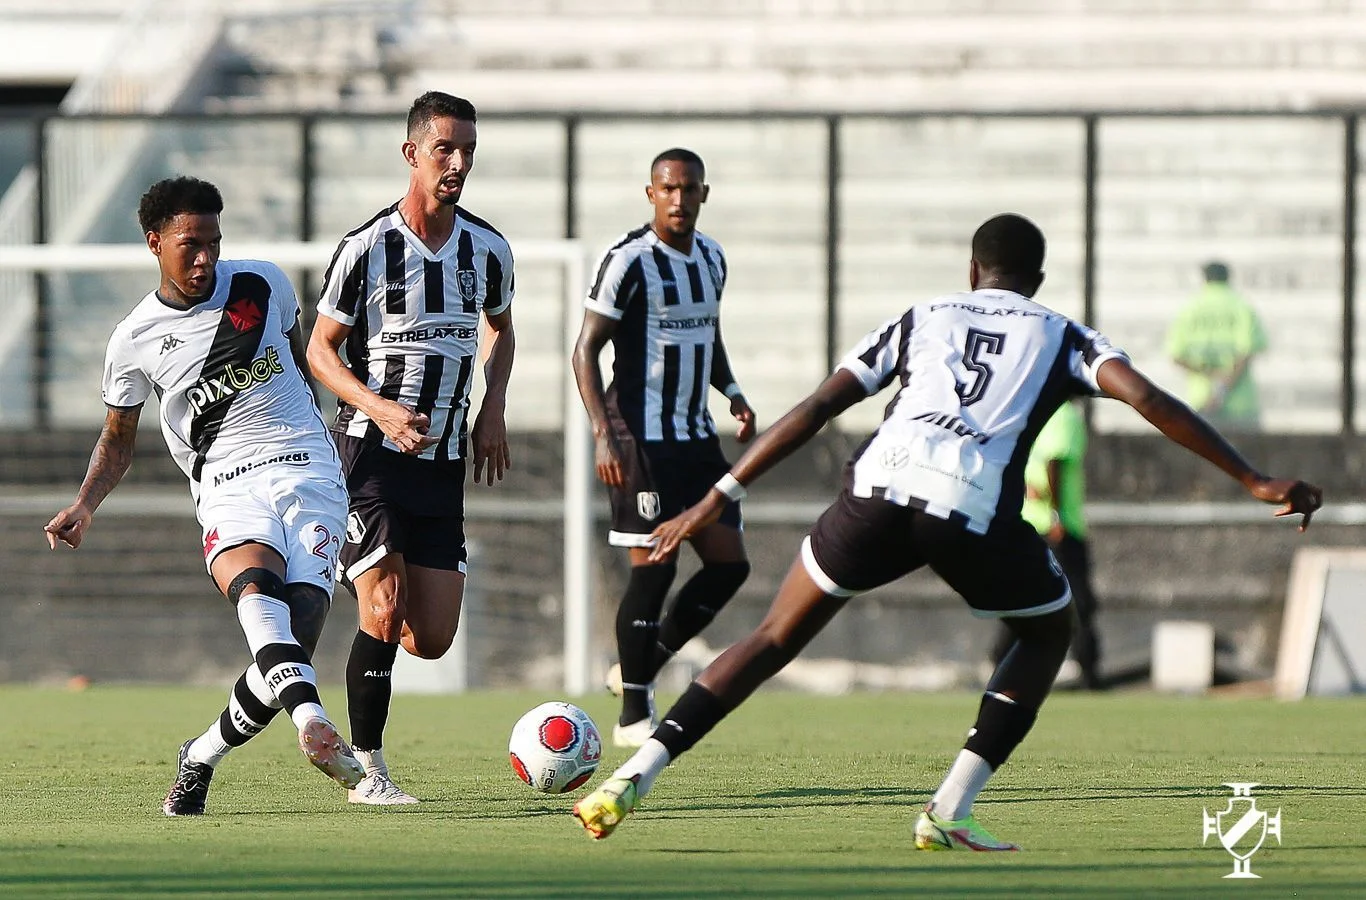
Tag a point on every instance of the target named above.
point(219, 343)
point(1214, 339)
point(405, 294)
point(657, 299)
point(1054, 503)
point(938, 484)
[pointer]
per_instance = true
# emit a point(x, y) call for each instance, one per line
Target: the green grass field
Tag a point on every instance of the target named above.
point(794, 796)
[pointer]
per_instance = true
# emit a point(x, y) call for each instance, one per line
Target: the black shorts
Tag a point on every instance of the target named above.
point(401, 504)
point(663, 478)
point(862, 543)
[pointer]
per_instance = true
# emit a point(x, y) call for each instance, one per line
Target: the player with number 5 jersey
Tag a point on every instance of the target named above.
point(218, 343)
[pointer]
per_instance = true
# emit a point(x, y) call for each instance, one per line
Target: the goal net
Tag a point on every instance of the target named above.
point(529, 601)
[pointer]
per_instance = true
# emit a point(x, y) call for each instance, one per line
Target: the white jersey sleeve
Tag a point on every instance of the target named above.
point(344, 284)
point(125, 381)
point(873, 360)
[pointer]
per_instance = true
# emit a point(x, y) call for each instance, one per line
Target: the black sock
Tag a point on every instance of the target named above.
point(689, 720)
point(697, 603)
point(1001, 725)
point(637, 634)
point(369, 687)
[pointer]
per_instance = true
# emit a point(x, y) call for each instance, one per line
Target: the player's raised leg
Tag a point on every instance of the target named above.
point(251, 707)
point(724, 569)
point(798, 613)
point(251, 577)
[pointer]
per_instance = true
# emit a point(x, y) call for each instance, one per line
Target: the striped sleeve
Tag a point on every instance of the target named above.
point(499, 280)
point(614, 284)
point(1089, 349)
point(344, 288)
point(873, 359)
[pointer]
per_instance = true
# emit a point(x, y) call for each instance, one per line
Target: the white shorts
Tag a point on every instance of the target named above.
point(298, 513)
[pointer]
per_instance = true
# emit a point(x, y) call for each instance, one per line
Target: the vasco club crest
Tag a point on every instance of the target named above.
point(1242, 828)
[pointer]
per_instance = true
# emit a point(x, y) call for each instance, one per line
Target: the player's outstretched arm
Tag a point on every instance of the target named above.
point(406, 428)
point(1175, 419)
point(596, 332)
point(836, 394)
point(109, 462)
point(490, 433)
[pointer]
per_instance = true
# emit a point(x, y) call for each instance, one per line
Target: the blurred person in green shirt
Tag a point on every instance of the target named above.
point(1214, 338)
point(1055, 496)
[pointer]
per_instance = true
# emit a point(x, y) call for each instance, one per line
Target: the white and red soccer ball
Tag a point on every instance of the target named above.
point(555, 748)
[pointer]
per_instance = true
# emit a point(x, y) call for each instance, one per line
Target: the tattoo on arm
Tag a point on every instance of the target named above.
point(112, 456)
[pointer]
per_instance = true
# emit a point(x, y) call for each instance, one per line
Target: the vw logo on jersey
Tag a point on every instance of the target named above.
point(894, 458)
point(647, 504)
point(468, 282)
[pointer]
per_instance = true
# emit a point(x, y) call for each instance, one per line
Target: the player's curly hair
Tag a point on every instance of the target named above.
point(437, 105)
point(170, 197)
point(1009, 244)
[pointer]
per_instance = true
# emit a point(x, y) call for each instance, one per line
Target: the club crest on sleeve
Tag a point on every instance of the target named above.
point(467, 280)
point(647, 504)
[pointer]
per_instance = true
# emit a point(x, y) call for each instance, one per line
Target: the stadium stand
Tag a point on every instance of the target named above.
point(1264, 193)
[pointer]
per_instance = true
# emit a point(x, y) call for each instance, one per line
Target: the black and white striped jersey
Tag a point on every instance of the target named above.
point(978, 374)
point(232, 399)
point(668, 304)
point(414, 317)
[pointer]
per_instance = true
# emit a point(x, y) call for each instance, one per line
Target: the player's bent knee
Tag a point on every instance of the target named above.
point(308, 608)
point(428, 646)
point(264, 580)
point(725, 579)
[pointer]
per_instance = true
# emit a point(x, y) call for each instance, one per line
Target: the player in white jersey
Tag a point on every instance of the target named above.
point(940, 483)
point(216, 343)
point(404, 295)
point(657, 298)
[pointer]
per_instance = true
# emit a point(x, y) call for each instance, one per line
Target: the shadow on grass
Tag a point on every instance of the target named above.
point(1013, 876)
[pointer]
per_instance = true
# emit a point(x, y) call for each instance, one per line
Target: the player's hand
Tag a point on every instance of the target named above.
point(1297, 498)
point(744, 414)
point(68, 526)
point(607, 460)
point(490, 438)
point(1055, 534)
point(670, 534)
point(406, 428)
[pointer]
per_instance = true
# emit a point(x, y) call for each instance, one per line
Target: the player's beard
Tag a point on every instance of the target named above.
point(448, 195)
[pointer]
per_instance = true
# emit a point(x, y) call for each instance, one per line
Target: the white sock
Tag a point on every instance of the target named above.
point(265, 620)
point(209, 748)
point(967, 776)
point(305, 711)
point(645, 765)
point(373, 760)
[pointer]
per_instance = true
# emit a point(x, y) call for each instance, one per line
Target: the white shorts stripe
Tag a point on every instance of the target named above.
point(1042, 609)
point(823, 581)
point(629, 539)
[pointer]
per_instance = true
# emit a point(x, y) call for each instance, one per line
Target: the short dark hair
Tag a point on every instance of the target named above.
point(1009, 244)
point(681, 155)
point(437, 105)
point(170, 197)
point(1216, 271)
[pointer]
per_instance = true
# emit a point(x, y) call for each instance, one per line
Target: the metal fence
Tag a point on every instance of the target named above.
point(834, 222)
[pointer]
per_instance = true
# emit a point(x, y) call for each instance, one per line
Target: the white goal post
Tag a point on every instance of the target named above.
point(577, 499)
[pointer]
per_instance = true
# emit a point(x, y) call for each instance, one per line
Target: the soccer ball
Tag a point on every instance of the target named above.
point(555, 748)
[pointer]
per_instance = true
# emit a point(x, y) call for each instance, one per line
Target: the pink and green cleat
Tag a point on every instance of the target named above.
point(935, 833)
